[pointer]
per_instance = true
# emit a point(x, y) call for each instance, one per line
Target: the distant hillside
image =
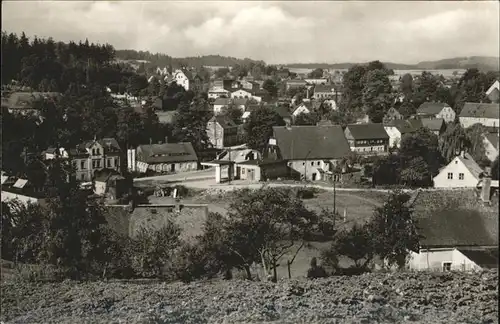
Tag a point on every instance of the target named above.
point(487, 63)
point(163, 60)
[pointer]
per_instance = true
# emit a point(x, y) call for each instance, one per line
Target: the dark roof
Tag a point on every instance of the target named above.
point(454, 228)
point(240, 101)
point(282, 111)
point(166, 153)
point(368, 131)
point(324, 88)
point(415, 123)
point(110, 145)
point(222, 101)
point(431, 108)
point(325, 122)
point(223, 120)
point(434, 124)
point(315, 142)
point(485, 258)
point(480, 110)
point(106, 175)
point(471, 165)
point(493, 139)
point(404, 126)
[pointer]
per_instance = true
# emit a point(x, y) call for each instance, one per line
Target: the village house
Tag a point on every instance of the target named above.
point(454, 241)
point(330, 103)
point(316, 81)
point(436, 110)
point(364, 119)
point(222, 131)
point(392, 114)
point(435, 125)
point(23, 103)
point(491, 144)
point(241, 93)
point(486, 114)
point(367, 139)
point(111, 184)
point(396, 129)
point(461, 172)
point(324, 92)
point(312, 152)
point(249, 85)
point(92, 156)
point(20, 190)
point(303, 108)
point(163, 158)
point(493, 92)
point(188, 80)
point(52, 153)
point(241, 103)
point(220, 104)
point(262, 170)
point(295, 84)
point(218, 92)
point(447, 247)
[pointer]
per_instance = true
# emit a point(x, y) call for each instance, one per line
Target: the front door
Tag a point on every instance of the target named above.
point(314, 177)
point(250, 175)
point(172, 167)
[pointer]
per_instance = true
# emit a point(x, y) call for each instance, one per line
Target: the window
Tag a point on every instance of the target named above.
point(98, 151)
point(312, 163)
point(318, 163)
point(460, 176)
point(446, 266)
point(82, 165)
point(96, 163)
point(303, 163)
point(450, 176)
point(110, 163)
point(242, 171)
point(82, 177)
point(93, 151)
point(117, 162)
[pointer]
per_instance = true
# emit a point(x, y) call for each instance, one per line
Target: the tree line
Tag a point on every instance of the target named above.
point(267, 227)
point(367, 89)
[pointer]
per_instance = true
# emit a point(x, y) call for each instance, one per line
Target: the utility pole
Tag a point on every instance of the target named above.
point(229, 168)
point(334, 196)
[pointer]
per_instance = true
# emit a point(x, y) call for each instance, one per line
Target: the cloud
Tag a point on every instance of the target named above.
point(276, 32)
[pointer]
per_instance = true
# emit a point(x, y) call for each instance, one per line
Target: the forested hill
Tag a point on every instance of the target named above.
point(163, 60)
point(484, 63)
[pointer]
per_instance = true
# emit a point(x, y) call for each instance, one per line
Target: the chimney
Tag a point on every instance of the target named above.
point(486, 189)
point(178, 206)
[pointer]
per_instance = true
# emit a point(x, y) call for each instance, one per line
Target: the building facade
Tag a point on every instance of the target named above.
point(94, 156)
point(367, 139)
point(222, 132)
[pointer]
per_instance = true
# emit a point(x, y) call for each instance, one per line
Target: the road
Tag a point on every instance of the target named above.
point(206, 174)
point(205, 179)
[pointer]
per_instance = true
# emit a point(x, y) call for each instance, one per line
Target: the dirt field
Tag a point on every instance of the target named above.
point(370, 298)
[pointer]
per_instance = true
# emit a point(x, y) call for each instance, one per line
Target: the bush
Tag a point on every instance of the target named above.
point(306, 193)
point(37, 273)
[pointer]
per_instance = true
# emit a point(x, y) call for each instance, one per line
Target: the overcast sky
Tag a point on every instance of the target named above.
point(276, 32)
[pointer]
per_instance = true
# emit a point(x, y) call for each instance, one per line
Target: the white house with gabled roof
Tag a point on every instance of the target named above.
point(461, 172)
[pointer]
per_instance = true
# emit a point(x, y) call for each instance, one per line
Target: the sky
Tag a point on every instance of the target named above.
point(275, 32)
